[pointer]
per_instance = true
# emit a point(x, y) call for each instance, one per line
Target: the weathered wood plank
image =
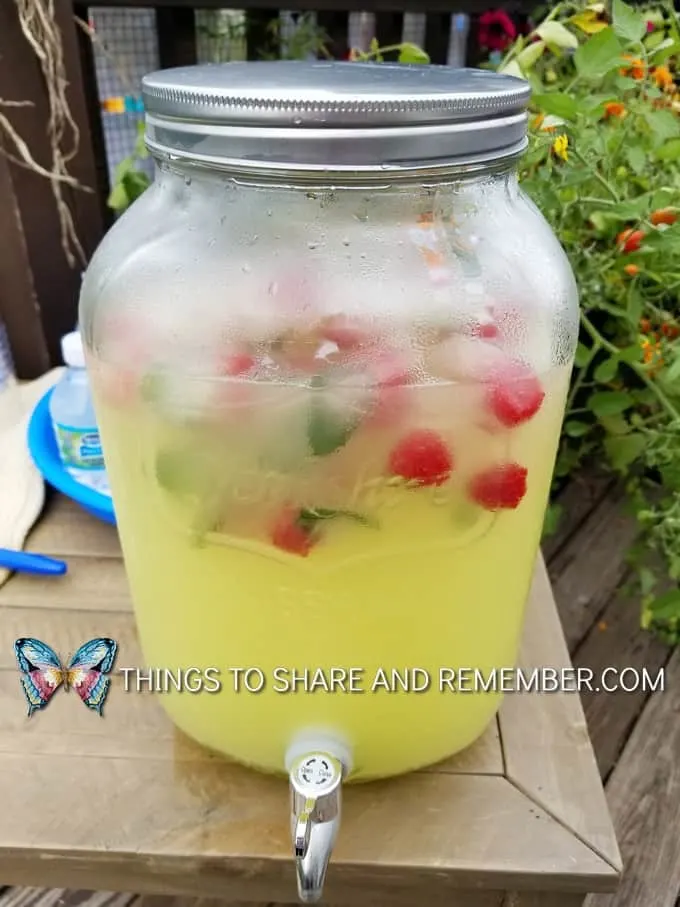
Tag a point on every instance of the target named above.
point(65, 529)
point(589, 568)
point(580, 497)
point(547, 750)
point(542, 899)
point(484, 757)
point(215, 829)
point(617, 641)
point(90, 582)
point(644, 799)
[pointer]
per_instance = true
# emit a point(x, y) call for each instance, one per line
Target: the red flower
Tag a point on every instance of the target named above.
point(495, 30)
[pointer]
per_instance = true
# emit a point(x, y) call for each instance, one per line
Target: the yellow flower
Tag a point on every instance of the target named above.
point(559, 147)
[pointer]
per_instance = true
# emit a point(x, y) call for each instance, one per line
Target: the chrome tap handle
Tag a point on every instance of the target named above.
point(315, 785)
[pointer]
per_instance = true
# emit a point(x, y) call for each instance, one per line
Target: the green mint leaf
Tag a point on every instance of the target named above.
point(179, 473)
point(624, 449)
point(152, 386)
point(309, 517)
point(599, 55)
point(327, 431)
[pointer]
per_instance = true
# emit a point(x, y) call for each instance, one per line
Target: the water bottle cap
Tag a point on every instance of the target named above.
point(72, 350)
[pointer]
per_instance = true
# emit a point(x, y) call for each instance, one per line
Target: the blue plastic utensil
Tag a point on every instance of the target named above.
point(25, 562)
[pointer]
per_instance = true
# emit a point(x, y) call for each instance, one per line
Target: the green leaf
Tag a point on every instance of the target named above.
point(135, 184)
point(560, 105)
point(667, 606)
point(513, 69)
point(615, 425)
point(576, 429)
point(606, 371)
point(631, 354)
point(553, 515)
point(598, 55)
point(673, 372)
point(411, 53)
point(628, 24)
point(310, 516)
point(326, 430)
point(609, 403)
point(583, 354)
point(181, 470)
point(663, 124)
point(555, 33)
point(118, 199)
point(634, 311)
point(531, 53)
point(624, 450)
point(669, 151)
point(637, 159)
point(669, 47)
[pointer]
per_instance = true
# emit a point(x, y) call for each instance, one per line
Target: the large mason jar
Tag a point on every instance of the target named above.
point(329, 350)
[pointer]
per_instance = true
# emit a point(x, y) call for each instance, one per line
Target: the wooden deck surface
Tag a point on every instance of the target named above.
point(636, 736)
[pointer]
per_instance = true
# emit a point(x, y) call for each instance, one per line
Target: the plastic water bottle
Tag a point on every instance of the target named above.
point(74, 421)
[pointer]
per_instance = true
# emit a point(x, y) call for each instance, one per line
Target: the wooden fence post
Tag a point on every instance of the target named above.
point(45, 305)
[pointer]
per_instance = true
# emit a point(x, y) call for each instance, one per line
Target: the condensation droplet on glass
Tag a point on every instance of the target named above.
point(187, 180)
point(313, 244)
point(345, 242)
point(297, 121)
point(223, 220)
point(363, 255)
point(246, 269)
point(269, 213)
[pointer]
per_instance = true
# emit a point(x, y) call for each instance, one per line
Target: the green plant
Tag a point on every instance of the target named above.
point(129, 182)
point(604, 168)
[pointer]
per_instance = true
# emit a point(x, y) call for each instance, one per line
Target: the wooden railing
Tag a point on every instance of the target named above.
point(38, 286)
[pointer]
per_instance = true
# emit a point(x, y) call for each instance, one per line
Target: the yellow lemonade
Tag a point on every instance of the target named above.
point(318, 528)
point(331, 541)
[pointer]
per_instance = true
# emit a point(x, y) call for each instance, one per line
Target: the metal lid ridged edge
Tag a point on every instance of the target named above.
point(499, 103)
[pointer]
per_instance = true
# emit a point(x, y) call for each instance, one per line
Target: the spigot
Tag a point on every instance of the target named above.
point(315, 785)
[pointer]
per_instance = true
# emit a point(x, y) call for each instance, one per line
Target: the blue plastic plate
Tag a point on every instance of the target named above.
point(43, 449)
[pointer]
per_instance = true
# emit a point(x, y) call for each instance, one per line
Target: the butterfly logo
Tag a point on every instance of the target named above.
point(42, 673)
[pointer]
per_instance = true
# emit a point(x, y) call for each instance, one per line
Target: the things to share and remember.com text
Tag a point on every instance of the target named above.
point(393, 680)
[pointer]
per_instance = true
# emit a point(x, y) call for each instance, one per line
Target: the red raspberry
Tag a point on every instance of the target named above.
point(292, 536)
point(346, 334)
point(237, 364)
point(422, 456)
point(501, 487)
point(514, 394)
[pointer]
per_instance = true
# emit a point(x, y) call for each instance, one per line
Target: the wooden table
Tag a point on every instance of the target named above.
point(127, 803)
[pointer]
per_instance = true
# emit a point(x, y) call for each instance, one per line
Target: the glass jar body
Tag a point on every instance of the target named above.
point(329, 417)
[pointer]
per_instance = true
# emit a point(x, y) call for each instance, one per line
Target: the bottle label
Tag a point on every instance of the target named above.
point(79, 448)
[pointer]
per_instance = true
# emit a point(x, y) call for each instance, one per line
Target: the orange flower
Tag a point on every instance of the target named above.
point(670, 330)
point(631, 270)
point(636, 70)
point(614, 109)
point(629, 240)
point(663, 216)
point(663, 77)
point(645, 324)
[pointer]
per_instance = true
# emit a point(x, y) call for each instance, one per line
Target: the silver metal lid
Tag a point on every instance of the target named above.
point(337, 117)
